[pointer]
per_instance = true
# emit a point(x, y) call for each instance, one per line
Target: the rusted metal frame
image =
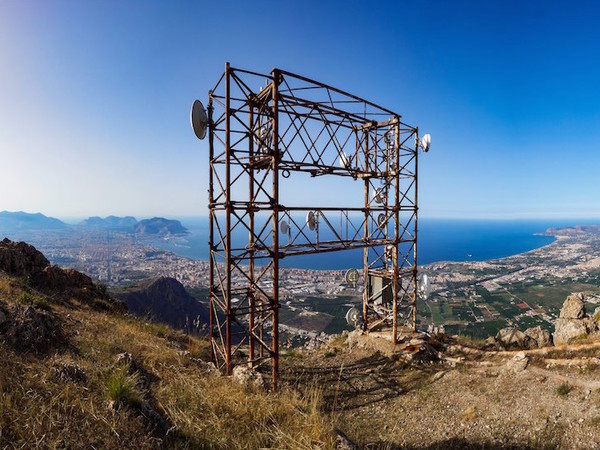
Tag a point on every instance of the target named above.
point(338, 91)
point(415, 293)
point(242, 222)
point(250, 133)
point(211, 222)
point(366, 234)
point(299, 133)
point(250, 72)
point(396, 212)
point(219, 328)
point(332, 138)
point(246, 333)
point(255, 281)
point(215, 173)
point(305, 103)
point(300, 231)
point(314, 115)
point(275, 301)
point(228, 277)
point(219, 280)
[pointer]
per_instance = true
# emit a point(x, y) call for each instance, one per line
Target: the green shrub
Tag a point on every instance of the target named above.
point(122, 388)
point(563, 389)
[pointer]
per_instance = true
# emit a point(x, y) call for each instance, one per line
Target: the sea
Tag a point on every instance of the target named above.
point(438, 240)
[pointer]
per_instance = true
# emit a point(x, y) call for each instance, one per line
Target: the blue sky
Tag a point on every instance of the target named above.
point(95, 97)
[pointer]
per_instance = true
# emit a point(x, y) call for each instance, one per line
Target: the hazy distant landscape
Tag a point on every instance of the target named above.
point(474, 298)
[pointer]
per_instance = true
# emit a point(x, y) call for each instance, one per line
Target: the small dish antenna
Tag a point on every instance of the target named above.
point(379, 195)
point(424, 286)
point(381, 220)
point(389, 251)
point(199, 119)
point(344, 161)
point(352, 277)
point(353, 317)
point(426, 142)
point(284, 227)
point(311, 220)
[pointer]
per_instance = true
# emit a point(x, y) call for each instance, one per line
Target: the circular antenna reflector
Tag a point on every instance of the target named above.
point(379, 195)
point(352, 277)
point(344, 162)
point(424, 286)
point(426, 142)
point(353, 316)
point(311, 220)
point(381, 220)
point(284, 227)
point(199, 119)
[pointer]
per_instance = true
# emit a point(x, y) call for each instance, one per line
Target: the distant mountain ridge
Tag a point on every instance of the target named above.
point(19, 220)
point(111, 222)
point(160, 226)
point(11, 222)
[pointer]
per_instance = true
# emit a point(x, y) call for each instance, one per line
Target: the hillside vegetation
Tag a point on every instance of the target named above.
point(78, 372)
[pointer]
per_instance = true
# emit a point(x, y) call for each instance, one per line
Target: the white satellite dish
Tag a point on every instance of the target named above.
point(426, 142)
point(311, 220)
point(199, 119)
point(353, 316)
point(352, 277)
point(344, 161)
point(389, 251)
point(424, 286)
point(284, 227)
point(381, 220)
point(379, 195)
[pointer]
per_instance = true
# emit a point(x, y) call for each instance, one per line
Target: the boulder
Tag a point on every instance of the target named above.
point(542, 338)
point(512, 336)
point(596, 316)
point(517, 363)
point(569, 330)
point(246, 376)
point(31, 330)
point(573, 307)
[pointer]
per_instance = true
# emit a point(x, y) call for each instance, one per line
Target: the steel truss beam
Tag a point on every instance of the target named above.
point(260, 137)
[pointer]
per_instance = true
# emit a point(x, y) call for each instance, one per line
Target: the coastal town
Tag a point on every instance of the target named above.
point(472, 298)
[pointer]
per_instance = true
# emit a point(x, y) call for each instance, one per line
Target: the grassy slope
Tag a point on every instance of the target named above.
point(38, 409)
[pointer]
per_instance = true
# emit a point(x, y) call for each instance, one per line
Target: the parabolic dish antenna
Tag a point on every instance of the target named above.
point(389, 251)
point(379, 195)
point(424, 286)
point(344, 162)
point(381, 220)
point(311, 220)
point(284, 227)
point(353, 316)
point(352, 277)
point(426, 142)
point(199, 119)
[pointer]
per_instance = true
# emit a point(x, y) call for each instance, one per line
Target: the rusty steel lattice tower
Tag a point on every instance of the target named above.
point(264, 130)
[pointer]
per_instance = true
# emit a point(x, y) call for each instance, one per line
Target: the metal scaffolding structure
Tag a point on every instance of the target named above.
point(259, 140)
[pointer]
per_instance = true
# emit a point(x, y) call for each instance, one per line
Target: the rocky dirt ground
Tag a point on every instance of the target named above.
point(541, 398)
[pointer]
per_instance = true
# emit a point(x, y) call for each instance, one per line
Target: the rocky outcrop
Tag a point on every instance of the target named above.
point(539, 336)
point(573, 323)
point(166, 300)
point(511, 336)
point(573, 307)
point(23, 260)
point(29, 329)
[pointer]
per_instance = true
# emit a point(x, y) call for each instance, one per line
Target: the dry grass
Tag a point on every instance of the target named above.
point(38, 409)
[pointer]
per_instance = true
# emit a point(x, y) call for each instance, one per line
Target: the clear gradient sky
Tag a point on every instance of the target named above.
point(95, 97)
